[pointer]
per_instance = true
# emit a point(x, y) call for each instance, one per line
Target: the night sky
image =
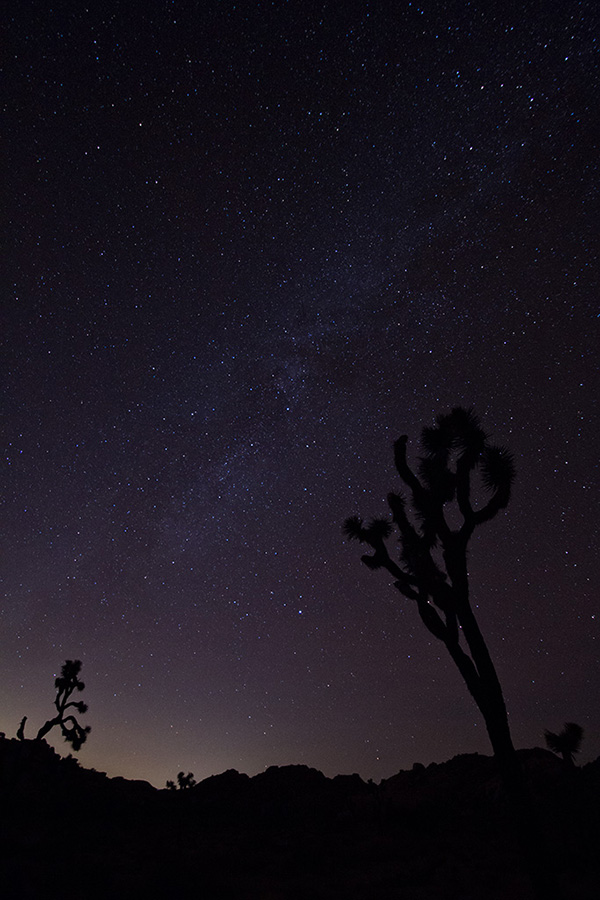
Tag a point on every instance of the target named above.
point(247, 246)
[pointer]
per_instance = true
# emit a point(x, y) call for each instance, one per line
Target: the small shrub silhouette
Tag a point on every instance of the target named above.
point(566, 743)
point(183, 782)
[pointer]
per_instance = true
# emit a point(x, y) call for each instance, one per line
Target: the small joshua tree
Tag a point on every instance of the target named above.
point(566, 743)
point(183, 782)
point(68, 682)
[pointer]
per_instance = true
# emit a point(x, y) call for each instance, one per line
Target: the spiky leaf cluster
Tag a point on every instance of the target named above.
point(68, 680)
point(454, 449)
point(497, 471)
point(74, 733)
point(377, 529)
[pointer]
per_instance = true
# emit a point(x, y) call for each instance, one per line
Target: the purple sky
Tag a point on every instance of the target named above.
point(248, 245)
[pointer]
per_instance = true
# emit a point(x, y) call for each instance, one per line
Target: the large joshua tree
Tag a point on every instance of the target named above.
point(432, 566)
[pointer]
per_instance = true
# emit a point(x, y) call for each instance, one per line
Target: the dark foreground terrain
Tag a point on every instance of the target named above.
point(436, 833)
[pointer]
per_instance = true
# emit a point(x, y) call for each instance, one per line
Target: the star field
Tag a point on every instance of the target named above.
point(248, 245)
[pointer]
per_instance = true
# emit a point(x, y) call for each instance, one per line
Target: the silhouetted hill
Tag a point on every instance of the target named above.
point(289, 833)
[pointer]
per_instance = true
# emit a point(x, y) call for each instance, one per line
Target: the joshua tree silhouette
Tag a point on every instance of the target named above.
point(183, 782)
point(433, 558)
point(432, 572)
point(566, 743)
point(67, 682)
